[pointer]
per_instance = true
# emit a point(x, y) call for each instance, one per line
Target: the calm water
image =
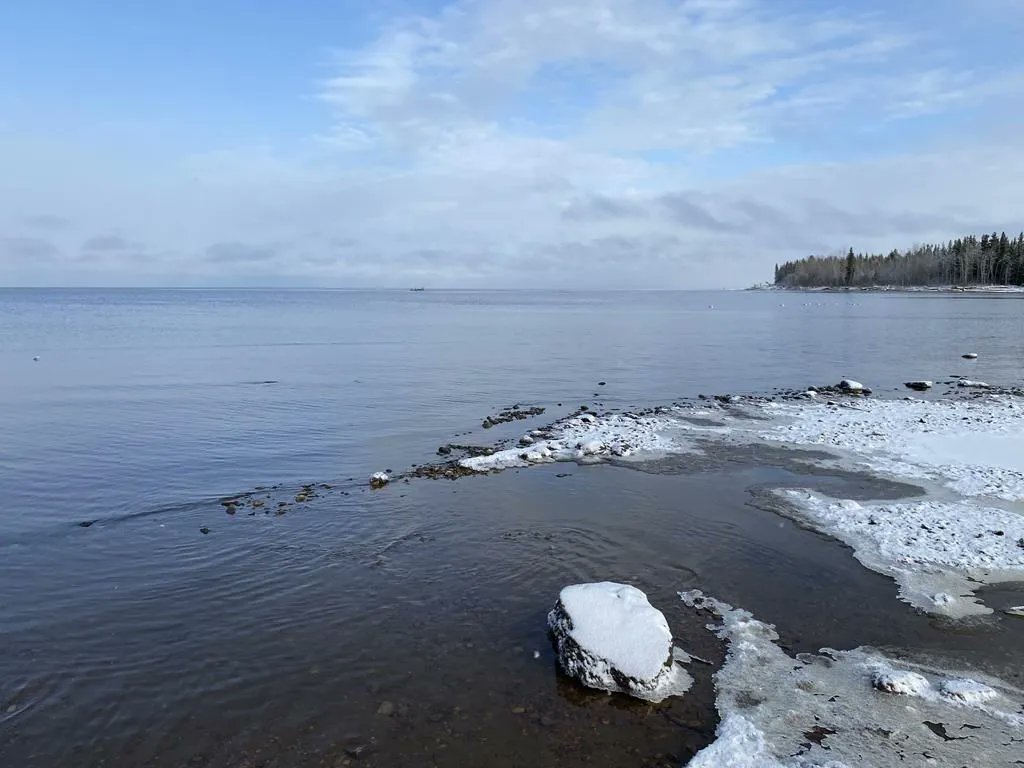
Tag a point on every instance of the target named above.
point(399, 627)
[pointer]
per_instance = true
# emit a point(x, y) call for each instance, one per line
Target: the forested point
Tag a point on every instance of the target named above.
point(987, 260)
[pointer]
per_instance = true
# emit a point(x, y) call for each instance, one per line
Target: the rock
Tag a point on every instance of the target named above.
point(230, 509)
point(601, 383)
point(970, 356)
point(257, 503)
point(35, 359)
point(900, 682)
point(967, 691)
point(444, 450)
point(919, 386)
point(518, 710)
point(609, 637)
point(525, 440)
point(204, 530)
point(379, 479)
point(1016, 610)
point(972, 384)
point(300, 497)
point(89, 523)
point(386, 709)
point(849, 385)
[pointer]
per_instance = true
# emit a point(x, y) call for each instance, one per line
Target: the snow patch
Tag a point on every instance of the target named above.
point(586, 437)
point(975, 447)
point(938, 552)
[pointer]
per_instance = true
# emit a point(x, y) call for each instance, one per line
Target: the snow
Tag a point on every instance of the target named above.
point(611, 638)
point(901, 682)
point(938, 552)
point(975, 447)
point(379, 479)
point(851, 386)
point(972, 383)
point(586, 436)
point(967, 691)
point(771, 704)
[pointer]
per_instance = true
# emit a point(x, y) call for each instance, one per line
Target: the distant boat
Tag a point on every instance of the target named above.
point(417, 290)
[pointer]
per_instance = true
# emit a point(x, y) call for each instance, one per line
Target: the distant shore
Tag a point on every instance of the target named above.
point(892, 288)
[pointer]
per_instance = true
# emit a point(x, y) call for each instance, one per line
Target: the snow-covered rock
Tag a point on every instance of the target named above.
point(973, 384)
point(967, 691)
point(849, 385)
point(919, 385)
point(587, 437)
point(379, 479)
point(970, 356)
point(900, 681)
point(611, 638)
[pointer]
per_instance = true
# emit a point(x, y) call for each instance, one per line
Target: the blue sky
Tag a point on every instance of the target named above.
point(598, 143)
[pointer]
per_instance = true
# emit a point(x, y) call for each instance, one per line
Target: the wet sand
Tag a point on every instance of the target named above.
point(406, 627)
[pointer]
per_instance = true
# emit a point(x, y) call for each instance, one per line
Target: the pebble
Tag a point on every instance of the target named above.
point(518, 710)
point(386, 709)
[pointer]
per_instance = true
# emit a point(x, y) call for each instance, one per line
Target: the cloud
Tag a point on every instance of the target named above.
point(108, 243)
point(27, 250)
point(239, 253)
point(47, 222)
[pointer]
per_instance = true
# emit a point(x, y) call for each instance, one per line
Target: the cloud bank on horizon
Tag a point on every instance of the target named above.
point(498, 143)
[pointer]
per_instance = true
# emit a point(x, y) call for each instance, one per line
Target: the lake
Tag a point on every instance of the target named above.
point(407, 626)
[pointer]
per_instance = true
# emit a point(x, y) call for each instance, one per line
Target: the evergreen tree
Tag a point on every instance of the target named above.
point(851, 266)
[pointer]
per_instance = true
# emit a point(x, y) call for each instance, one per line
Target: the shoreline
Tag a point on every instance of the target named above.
point(951, 290)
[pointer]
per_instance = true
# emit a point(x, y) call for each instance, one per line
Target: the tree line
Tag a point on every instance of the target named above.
point(993, 259)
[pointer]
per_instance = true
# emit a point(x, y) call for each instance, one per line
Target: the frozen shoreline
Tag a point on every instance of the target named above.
point(967, 531)
point(847, 708)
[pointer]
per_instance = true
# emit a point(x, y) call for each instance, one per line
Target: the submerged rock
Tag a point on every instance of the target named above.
point(609, 637)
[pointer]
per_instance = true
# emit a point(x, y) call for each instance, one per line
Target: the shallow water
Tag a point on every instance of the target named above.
point(280, 640)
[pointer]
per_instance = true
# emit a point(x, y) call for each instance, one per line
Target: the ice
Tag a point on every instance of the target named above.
point(938, 552)
point(588, 437)
point(975, 447)
point(611, 638)
point(825, 711)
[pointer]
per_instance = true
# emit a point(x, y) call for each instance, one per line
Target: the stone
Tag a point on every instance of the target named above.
point(919, 386)
point(386, 709)
point(379, 479)
point(609, 637)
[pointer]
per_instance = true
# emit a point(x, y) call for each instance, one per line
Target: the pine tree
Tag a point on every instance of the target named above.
point(851, 266)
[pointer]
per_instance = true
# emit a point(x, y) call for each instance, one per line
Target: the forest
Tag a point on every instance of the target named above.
point(991, 259)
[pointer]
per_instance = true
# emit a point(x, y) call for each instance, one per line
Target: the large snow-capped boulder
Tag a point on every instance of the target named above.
point(611, 638)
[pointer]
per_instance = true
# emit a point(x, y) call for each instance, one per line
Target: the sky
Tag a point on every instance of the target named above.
point(497, 143)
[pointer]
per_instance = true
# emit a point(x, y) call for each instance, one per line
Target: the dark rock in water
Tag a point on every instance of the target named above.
point(600, 383)
point(919, 386)
point(515, 413)
point(444, 450)
point(89, 523)
point(379, 479)
point(230, 509)
point(970, 356)
point(204, 530)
